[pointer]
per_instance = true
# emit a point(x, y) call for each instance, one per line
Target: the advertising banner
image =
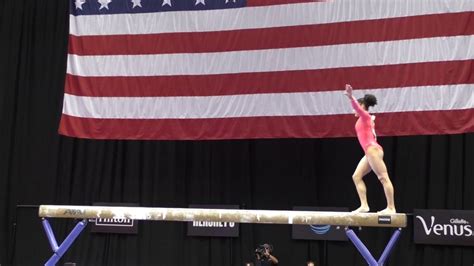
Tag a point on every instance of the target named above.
point(213, 228)
point(319, 231)
point(114, 226)
point(443, 227)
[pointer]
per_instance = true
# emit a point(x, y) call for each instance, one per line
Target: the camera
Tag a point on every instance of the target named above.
point(261, 250)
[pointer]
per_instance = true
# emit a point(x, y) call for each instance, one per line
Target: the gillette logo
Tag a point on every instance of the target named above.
point(456, 227)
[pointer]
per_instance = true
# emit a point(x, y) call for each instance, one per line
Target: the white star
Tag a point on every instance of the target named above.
point(137, 3)
point(166, 2)
point(79, 4)
point(227, 1)
point(200, 2)
point(104, 4)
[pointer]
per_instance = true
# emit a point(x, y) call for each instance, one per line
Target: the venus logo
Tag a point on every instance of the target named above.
point(458, 227)
point(320, 229)
point(443, 227)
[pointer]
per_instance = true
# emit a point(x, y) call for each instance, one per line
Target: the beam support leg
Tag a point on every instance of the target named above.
point(60, 250)
point(390, 246)
point(366, 253)
point(361, 248)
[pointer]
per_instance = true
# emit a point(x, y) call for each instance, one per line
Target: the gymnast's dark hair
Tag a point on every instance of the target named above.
point(368, 100)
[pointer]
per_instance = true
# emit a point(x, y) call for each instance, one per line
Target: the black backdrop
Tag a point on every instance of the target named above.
point(37, 166)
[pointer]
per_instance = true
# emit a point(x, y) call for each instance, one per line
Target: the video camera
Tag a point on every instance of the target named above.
point(261, 250)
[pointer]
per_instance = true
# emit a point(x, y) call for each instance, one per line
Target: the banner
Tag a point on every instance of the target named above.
point(319, 232)
point(443, 227)
point(213, 228)
point(114, 226)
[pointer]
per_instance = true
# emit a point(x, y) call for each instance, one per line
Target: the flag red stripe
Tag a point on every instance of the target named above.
point(425, 26)
point(387, 76)
point(278, 2)
point(408, 123)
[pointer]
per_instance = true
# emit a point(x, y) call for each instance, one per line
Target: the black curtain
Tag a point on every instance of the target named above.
point(37, 166)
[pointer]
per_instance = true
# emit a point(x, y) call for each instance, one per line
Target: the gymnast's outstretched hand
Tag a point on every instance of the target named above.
point(348, 91)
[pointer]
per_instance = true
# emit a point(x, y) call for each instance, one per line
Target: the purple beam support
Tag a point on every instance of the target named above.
point(59, 252)
point(366, 253)
point(390, 245)
point(50, 235)
point(361, 247)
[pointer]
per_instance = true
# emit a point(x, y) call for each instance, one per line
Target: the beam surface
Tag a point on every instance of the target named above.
point(224, 215)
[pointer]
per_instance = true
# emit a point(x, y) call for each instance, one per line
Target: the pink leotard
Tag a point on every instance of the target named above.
point(364, 127)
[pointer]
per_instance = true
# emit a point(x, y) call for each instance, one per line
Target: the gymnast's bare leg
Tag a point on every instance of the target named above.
point(374, 156)
point(363, 168)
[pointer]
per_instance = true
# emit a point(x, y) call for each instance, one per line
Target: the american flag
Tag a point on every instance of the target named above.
point(234, 69)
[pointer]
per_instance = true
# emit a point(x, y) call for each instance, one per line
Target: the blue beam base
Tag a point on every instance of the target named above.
point(60, 250)
point(366, 253)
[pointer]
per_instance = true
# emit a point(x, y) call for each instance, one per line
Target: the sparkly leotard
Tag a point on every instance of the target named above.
point(365, 127)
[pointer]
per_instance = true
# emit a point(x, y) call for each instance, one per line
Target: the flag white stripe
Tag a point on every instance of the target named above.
point(301, 58)
point(261, 17)
point(424, 98)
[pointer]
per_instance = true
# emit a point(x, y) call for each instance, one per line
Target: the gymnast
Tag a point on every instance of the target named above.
point(373, 159)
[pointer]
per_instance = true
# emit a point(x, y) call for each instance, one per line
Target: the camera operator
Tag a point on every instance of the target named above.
point(264, 257)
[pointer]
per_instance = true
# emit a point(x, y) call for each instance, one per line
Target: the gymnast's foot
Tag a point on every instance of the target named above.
point(387, 211)
point(361, 209)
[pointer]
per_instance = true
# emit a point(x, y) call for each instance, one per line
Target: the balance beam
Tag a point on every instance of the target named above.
point(346, 219)
point(224, 215)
